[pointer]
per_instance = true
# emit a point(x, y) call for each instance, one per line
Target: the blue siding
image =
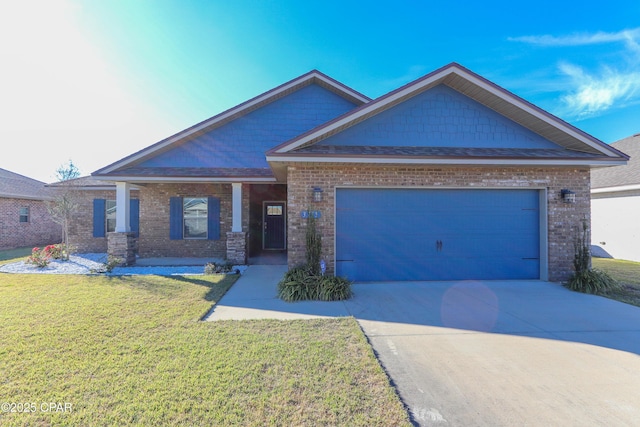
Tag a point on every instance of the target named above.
point(175, 218)
point(243, 142)
point(213, 218)
point(394, 234)
point(99, 206)
point(440, 117)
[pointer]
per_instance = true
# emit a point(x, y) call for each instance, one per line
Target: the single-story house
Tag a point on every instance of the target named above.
point(615, 204)
point(24, 217)
point(449, 177)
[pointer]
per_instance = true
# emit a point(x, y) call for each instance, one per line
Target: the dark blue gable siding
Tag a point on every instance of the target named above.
point(439, 117)
point(243, 142)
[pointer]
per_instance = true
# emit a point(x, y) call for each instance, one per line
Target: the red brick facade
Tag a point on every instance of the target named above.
point(563, 219)
point(154, 221)
point(40, 229)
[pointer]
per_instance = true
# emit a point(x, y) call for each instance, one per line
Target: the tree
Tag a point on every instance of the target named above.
point(65, 201)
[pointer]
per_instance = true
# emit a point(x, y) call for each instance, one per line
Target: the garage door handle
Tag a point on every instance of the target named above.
point(438, 245)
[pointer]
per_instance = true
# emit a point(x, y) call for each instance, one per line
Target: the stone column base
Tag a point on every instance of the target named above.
point(123, 246)
point(237, 247)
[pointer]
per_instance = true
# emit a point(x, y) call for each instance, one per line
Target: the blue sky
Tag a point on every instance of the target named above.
point(94, 81)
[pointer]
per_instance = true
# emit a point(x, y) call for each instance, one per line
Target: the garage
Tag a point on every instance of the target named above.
point(393, 234)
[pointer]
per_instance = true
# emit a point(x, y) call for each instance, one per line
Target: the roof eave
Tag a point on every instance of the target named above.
point(185, 179)
point(446, 160)
point(235, 111)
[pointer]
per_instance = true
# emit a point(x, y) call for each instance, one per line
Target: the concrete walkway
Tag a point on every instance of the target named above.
point(499, 353)
point(254, 296)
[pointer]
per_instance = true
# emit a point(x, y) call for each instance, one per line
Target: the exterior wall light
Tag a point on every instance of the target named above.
point(317, 194)
point(568, 196)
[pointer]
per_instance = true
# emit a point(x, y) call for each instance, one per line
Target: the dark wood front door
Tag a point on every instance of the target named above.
point(274, 225)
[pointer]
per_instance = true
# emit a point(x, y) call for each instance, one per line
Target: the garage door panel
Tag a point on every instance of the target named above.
point(408, 234)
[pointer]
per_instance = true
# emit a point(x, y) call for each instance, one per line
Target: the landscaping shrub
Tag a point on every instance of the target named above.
point(300, 284)
point(313, 241)
point(586, 279)
point(218, 268)
point(39, 258)
point(592, 281)
point(333, 288)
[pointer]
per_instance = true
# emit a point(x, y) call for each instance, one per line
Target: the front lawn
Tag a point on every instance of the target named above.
point(131, 351)
point(627, 273)
point(12, 255)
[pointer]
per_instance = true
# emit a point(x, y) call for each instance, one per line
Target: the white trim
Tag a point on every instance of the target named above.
point(619, 188)
point(140, 180)
point(543, 228)
point(236, 207)
point(123, 207)
point(445, 161)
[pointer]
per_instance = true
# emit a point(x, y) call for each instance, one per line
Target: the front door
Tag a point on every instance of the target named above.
point(274, 225)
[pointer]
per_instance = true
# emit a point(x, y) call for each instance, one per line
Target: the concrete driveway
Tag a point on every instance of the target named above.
point(504, 353)
point(482, 353)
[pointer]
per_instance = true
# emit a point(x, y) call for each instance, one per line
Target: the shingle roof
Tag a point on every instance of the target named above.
point(13, 185)
point(628, 174)
point(450, 152)
point(196, 172)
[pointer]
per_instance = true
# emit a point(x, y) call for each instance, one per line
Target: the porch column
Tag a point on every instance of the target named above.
point(236, 207)
point(121, 243)
point(236, 238)
point(123, 203)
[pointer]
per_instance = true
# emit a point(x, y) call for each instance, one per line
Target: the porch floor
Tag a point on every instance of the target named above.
point(263, 258)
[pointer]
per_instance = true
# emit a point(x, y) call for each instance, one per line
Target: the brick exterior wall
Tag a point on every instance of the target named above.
point(154, 220)
point(81, 226)
point(39, 231)
point(563, 219)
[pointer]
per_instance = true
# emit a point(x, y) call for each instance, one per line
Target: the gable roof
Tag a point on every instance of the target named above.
point(620, 177)
point(127, 165)
point(576, 146)
point(16, 186)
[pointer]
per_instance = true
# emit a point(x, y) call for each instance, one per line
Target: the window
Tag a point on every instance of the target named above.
point(194, 217)
point(104, 217)
point(274, 210)
point(110, 215)
point(24, 214)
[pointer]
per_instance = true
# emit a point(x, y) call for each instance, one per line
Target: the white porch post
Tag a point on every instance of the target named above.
point(123, 204)
point(236, 207)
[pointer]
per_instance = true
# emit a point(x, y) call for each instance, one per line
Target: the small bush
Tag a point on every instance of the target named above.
point(586, 279)
point(592, 281)
point(300, 284)
point(334, 288)
point(218, 268)
point(39, 258)
point(58, 251)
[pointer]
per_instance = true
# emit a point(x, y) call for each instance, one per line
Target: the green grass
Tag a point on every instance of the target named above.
point(12, 255)
point(627, 273)
point(131, 351)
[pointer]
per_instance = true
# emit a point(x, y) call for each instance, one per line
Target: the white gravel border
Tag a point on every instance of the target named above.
point(93, 262)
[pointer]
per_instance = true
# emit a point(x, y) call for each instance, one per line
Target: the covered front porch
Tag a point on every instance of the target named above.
point(195, 223)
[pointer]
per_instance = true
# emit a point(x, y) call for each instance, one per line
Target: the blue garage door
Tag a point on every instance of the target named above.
point(416, 234)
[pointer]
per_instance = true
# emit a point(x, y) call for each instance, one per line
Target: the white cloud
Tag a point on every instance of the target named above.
point(592, 92)
point(597, 93)
point(628, 36)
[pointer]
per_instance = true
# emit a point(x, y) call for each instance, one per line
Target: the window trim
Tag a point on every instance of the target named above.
point(22, 215)
point(205, 200)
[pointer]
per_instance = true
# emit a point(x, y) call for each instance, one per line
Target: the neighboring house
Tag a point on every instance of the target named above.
point(615, 204)
point(24, 218)
point(449, 177)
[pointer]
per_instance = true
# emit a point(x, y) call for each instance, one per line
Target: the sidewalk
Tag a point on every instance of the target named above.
point(254, 296)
